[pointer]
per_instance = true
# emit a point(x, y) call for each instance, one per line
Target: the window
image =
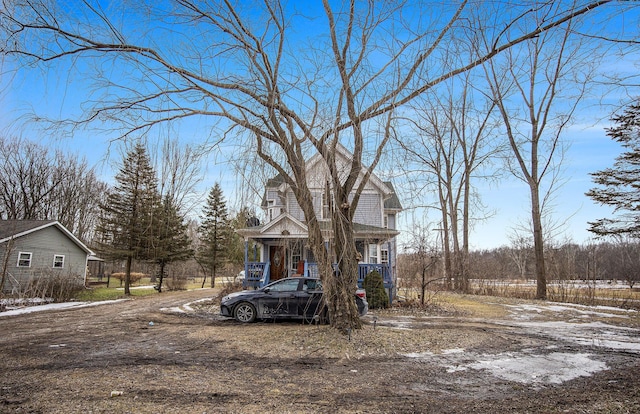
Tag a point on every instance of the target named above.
point(58, 261)
point(24, 259)
point(326, 205)
point(386, 221)
point(296, 256)
point(287, 285)
point(312, 284)
point(384, 255)
point(373, 253)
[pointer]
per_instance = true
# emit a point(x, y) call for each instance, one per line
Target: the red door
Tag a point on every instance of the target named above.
point(278, 265)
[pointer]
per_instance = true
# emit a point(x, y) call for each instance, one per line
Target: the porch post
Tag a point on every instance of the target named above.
point(246, 258)
point(391, 255)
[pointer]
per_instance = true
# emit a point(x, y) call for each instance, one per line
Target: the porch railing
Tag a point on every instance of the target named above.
point(365, 268)
point(257, 273)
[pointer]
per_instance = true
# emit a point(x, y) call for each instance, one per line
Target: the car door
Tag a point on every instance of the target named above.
point(279, 299)
point(309, 298)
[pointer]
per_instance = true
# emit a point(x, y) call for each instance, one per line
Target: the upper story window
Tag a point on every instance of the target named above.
point(24, 259)
point(326, 205)
point(385, 221)
point(58, 261)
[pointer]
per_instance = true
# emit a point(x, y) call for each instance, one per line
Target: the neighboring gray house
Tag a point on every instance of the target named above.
point(279, 248)
point(29, 248)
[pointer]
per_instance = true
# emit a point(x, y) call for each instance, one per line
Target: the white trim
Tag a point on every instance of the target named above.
point(30, 258)
point(44, 226)
point(54, 261)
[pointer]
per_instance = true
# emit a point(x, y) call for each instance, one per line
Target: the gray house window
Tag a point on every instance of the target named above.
point(384, 255)
point(58, 261)
point(24, 259)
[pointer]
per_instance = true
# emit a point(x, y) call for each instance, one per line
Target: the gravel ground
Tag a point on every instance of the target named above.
point(463, 355)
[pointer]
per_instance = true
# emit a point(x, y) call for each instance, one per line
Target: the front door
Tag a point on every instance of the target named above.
point(278, 265)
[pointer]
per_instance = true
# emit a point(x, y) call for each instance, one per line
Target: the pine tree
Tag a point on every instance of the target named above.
point(215, 232)
point(172, 243)
point(129, 217)
point(235, 250)
point(619, 186)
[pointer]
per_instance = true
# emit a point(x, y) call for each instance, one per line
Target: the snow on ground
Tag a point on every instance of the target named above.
point(525, 367)
point(55, 306)
point(570, 324)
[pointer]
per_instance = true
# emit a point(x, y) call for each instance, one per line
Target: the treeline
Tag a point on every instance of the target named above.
point(618, 259)
point(138, 223)
point(37, 183)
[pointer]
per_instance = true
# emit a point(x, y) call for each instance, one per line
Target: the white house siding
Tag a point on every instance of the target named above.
point(43, 245)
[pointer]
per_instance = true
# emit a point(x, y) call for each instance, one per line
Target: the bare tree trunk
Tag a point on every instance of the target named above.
point(127, 276)
point(538, 245)
point(344, 310)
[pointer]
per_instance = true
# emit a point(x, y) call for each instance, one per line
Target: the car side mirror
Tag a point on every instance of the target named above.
point(266, 290)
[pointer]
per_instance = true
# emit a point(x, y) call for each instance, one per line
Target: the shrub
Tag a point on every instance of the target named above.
point(376, 294)
point(176, 282)
point(134, 277)
point(52, 285)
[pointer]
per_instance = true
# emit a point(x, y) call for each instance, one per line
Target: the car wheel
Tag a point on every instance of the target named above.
point(245, 312)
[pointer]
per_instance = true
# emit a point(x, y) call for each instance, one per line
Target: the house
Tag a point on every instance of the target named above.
point(279, 247)
point(30, 248)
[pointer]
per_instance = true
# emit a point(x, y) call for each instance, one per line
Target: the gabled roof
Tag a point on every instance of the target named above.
point(12, 229)
point(274, 228)
point(342, 151)
point(391, 200)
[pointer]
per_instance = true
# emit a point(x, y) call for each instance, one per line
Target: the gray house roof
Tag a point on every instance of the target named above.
point(17, 228)
point(393, 202)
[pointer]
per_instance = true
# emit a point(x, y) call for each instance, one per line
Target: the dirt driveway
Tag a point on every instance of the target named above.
point(482, 355)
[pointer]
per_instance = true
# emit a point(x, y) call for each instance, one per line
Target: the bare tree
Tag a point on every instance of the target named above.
point(419, 266)
point(294, 84)
point(451, 147)
point(180, 171)
point(39, 184)
point(529, 85)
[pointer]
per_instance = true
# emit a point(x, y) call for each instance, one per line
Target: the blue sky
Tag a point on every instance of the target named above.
point(60, 94)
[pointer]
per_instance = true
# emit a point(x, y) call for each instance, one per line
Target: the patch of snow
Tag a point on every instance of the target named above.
point(554, 368)
point(522, 367)
point(524, 311)
point(595, 334)
point(173, 309)
point(56, 306)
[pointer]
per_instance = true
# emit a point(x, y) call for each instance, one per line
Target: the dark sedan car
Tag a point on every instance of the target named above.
point(290, 298)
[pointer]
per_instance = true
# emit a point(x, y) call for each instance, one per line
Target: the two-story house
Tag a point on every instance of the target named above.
point(279, 247)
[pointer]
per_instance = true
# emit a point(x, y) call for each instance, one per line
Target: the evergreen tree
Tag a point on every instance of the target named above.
point(129, 217)
point(215, 233)
point(172, 243)
point(619, 186)
point(235, 251)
